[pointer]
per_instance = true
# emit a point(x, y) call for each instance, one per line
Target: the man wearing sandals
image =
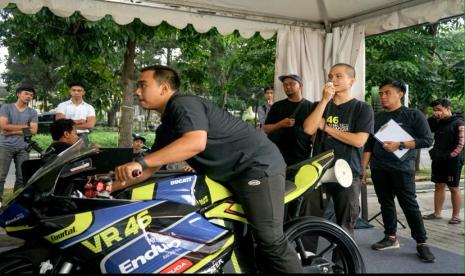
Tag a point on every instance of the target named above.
point(395, 177)
point(447, 157)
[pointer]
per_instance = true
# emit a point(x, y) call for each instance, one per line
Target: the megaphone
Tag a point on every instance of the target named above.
point(340, 173)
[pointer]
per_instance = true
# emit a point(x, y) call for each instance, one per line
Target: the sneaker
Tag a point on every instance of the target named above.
point(386, 243)
point(424, 253)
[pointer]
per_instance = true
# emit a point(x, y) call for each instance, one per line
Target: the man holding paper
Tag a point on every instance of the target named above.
point(399, 131)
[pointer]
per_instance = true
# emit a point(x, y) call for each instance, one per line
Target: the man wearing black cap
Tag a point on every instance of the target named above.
point(13, 118)
point(284, 123)
point(138, 143)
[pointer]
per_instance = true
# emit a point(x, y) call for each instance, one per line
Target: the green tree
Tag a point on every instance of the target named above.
point(422, 56)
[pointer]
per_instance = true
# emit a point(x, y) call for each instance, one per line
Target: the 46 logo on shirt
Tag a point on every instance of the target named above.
point(332, 120)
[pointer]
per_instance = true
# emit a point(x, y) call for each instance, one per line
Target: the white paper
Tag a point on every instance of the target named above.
point(392, 131)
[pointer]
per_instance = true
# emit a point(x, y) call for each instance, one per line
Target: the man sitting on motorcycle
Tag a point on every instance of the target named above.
point(228, 150)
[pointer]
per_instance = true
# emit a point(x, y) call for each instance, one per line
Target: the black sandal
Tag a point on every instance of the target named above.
point(431, 216)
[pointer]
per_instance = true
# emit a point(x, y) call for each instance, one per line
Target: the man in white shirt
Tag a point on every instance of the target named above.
point(82, 113)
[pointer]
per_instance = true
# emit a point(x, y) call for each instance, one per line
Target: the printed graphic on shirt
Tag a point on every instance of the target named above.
point(333, 121)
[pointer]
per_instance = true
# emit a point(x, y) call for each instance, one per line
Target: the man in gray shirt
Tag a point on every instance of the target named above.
point(13, 118)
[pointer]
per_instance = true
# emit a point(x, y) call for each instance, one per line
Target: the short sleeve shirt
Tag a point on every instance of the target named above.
point(76, 112)
point(234, 150)
point(352, 116)
point(293, 142)
point(16, 117)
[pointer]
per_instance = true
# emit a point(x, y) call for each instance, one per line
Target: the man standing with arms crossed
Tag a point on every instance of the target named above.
point(82, 113)
point(13, 118)
point(395, 177)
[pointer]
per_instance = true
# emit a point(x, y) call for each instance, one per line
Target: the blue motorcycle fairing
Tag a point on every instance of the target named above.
point(106, 217)
point(195, 227)
point(14, 213)
point(178, 189)
point(147, 256)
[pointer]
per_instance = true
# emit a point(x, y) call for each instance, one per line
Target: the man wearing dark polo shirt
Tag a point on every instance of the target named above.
point(228, 150)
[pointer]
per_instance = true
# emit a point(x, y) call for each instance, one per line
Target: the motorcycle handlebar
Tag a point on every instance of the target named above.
point(136, 173)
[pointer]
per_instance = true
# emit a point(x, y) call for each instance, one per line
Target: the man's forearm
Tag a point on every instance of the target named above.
point(270, 128)
point(312, 122)
point(357, 139)
point(10, 127)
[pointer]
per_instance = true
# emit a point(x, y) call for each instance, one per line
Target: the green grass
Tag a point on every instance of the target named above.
point(105, 138)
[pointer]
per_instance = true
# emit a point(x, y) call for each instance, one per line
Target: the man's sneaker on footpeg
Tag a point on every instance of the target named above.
point(424, 253)
point(386, 243)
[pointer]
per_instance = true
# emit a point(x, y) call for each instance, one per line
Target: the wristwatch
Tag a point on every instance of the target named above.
point(141, 161)
point(401, 145)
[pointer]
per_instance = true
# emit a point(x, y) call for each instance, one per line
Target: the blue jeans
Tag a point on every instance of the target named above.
point(18, 156)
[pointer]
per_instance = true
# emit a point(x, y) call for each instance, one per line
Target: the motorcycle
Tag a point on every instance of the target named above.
point(173, 222)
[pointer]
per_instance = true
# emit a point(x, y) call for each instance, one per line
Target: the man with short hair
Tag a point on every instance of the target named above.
point(224, 148)
point(447, 156)
point(14, 118)
point(64, 135)
point(262, 110)
point(284, 123)
point(343, 124)
point(76, 109)
point(393, 176)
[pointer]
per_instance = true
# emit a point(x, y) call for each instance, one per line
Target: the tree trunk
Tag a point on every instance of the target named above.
point(127, 107)
point(111, 121)
point(168, 56)
point(224, 100)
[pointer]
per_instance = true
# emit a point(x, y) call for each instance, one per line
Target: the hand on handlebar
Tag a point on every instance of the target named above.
point(128, 171)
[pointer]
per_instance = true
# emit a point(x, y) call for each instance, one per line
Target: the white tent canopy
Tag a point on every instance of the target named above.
point(312, 34)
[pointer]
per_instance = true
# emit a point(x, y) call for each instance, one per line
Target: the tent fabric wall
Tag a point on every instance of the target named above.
point(300, 51)
point(347, 45)
point(311, 53)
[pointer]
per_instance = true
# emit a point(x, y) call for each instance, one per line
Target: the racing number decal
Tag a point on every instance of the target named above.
point(111, 234)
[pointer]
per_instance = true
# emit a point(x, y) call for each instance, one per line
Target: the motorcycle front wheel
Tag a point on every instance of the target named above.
point(324, 247)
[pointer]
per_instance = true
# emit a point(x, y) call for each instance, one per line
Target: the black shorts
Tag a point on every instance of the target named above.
point(446, 172)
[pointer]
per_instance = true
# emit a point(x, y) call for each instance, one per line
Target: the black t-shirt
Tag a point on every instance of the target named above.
point(352, 116)
point(293, 142)
point(234, 150)
point(413, 122)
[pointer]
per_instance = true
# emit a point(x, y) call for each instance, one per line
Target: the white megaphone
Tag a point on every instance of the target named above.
point(340, 173)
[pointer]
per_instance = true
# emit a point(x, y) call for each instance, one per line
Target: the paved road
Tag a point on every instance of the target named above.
point(446, 236)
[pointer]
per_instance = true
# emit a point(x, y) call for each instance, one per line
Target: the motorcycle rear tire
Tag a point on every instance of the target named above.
point(334, 234)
